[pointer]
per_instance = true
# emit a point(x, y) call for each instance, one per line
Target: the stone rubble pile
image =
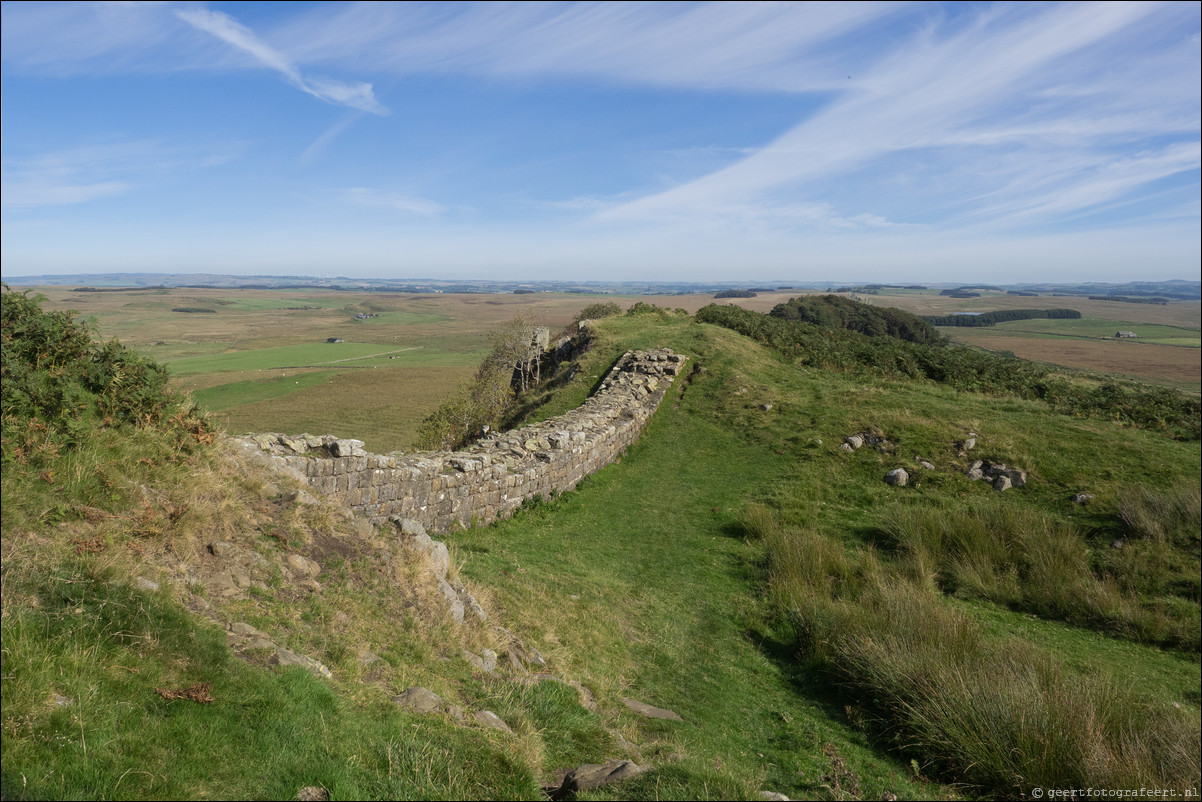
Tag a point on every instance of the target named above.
point(1001, 476)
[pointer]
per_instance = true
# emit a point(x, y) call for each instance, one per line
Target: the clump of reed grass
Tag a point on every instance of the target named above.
point(997, 714)
point(1028, 560)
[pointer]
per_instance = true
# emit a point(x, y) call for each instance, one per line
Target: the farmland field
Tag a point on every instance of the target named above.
point(261, 360)
point(1097, 328)
point(1166, 351)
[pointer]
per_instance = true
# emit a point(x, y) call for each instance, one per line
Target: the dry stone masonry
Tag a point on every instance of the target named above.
point(445, 490)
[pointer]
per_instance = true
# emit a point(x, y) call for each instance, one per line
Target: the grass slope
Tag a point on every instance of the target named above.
point(670, 603)
point(687, 576)
point(641, 584)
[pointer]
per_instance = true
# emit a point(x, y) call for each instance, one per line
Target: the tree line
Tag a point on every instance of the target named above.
point(1001, 316)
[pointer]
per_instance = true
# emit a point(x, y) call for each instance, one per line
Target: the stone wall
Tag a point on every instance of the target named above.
point(450, 489)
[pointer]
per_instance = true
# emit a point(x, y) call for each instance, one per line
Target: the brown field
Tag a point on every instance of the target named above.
point(381, 407)
point(142, 318)
point(691, 303)
point(1167, 364)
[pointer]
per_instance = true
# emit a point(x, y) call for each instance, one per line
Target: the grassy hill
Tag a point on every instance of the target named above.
point(820, 633)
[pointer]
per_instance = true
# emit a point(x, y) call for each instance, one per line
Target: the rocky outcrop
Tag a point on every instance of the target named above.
point(416, 541)
point(870, 437)
point(446, 490)
point(245, 637)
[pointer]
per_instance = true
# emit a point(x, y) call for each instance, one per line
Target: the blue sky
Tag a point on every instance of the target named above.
point(843, 141)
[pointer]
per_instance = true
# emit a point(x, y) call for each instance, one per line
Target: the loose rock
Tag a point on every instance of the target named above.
point(476, 661)
point(650, 711)
point(287, 657)
point(301, 565)
point(491, 719)
point(245, 630)
point(594, 775)
point(897, 477)
point(420, 700)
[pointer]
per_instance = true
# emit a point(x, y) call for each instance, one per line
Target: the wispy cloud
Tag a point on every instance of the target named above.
point(86, 38)
point(842, 134)
point(79, 175)
point(392, 201)
point(318, 146)
point(223, 26)
point(1068, 183)
point(757, 46)
point(983, 83)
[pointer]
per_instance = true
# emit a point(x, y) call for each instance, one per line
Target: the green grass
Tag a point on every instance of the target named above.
point(383, 407)
point(251, 391)
point(351, 354)
point(258, 304)
point(667, 584)
point(1162, 674)
point(1093, 328)
point(668, 606)
point(83, 720)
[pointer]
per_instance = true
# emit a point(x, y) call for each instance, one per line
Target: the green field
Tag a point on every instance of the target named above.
point(1098, 328)
point(251, 391)
point(318, 355)
point(301, 303)
point(251, 363)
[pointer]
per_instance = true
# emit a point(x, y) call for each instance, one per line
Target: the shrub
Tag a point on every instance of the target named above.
point(832, 311)
point(644, 308)
point(599, 310)
point(57, 386)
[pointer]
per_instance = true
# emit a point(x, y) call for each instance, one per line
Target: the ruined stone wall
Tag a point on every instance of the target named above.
point(448, 489)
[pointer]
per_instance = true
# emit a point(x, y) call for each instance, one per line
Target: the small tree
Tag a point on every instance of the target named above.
point(487, 398)
point(513, 348)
